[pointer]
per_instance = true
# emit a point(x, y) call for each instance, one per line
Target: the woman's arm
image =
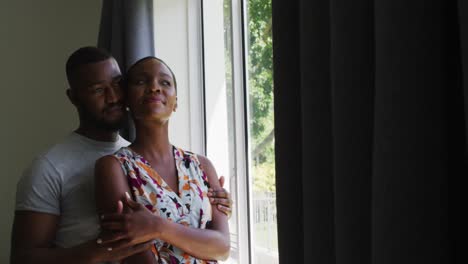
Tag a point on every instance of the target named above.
point(110, 188)
point(207, 244)
point(213, 243)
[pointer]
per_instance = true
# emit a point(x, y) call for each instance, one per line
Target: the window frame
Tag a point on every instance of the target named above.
point(240, 108)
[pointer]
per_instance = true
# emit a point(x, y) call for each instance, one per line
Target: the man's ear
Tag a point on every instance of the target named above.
point(71, 94)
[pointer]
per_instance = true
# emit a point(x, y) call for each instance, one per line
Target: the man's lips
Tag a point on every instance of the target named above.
point(114, 108)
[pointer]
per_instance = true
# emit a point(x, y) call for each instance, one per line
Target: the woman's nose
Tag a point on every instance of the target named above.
point(154, 86)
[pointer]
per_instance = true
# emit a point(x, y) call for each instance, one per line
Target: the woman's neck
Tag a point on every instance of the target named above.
point(152, 141)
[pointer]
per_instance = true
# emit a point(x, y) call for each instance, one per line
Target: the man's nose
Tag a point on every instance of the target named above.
point(112, 95)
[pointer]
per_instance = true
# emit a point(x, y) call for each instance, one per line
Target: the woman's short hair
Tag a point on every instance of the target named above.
point(147, 58)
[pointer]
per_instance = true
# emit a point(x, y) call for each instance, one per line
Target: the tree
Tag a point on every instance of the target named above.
point(260, 71)
point(260, 66)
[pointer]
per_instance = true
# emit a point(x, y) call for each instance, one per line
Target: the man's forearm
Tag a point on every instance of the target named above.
point(74, 255)
point(86, 253)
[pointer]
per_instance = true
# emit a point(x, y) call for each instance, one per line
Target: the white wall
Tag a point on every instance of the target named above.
point(177, 41)
point(215, 86)
point(36, 38)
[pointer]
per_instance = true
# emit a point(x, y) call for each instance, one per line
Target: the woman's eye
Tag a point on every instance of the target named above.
point(166, 83)
point(139, 82)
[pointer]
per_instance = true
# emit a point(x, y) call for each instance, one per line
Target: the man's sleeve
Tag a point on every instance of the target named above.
point(39, 188)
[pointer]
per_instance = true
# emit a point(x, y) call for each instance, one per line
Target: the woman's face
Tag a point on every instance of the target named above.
point(151, 91)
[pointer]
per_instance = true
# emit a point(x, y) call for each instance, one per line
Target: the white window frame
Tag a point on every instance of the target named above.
point(240, 170)
point(196, 73)
point(195, 90)
point(239, 56)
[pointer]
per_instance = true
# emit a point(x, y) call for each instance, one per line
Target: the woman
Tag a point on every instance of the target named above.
point(169, 182)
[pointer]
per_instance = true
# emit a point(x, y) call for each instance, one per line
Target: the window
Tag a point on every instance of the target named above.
point(220, 112)
point(261, 131)
point(222, 49)
point(238, 76)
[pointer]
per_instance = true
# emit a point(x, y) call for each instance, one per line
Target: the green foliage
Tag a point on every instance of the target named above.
point(260, 66)
point(260, 71)
point(264, 180)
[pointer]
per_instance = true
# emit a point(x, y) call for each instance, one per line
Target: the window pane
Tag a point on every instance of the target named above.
point(261, 132)
point(219, 109)
point(253, 223)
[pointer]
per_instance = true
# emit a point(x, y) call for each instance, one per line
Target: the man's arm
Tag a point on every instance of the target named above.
point(37, 218)
point(32, 242)
point(221, 198)
point(32, 237)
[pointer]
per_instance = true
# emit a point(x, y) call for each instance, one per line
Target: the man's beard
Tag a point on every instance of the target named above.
point(102, 124)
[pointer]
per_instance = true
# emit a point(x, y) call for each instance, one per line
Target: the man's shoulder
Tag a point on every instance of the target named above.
point(60, 150)
point(122, 142)
point(40, 187)
point(50, 157)
point(75, 150)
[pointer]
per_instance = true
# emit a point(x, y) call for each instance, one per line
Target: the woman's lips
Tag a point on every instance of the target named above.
point(153, 100)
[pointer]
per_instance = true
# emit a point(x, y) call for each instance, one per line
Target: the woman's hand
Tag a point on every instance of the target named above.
point(136, 224)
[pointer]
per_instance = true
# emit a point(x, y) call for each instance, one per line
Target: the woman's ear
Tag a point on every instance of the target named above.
point(175, 105)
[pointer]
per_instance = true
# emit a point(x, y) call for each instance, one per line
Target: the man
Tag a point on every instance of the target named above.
point(55, 219)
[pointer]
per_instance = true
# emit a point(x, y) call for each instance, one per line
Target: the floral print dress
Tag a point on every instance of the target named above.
point(189, 207)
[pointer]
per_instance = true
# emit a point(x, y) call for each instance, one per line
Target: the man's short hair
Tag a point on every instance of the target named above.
point(82, 56)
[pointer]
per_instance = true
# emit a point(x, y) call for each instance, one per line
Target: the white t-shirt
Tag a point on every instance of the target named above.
point(61, 182)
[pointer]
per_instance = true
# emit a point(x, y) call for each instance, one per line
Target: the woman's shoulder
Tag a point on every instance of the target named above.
point(123, 151)
point(204, 161)
point(114, 160)
point(206, 168)
point(107, 161)
point(124, 154)
point(106, 167)
point(183, 152)
point(189, 155)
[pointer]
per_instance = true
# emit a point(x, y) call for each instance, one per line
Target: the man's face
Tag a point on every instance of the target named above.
point(99, 95)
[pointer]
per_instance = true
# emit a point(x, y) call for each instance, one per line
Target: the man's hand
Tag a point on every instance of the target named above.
point(135, 225)
point(221, 198)
point(91, 252)
point(98, 252)
point(32, 242)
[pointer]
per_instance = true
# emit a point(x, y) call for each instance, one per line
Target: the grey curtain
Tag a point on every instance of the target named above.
point(127, 31)
point(370, 136)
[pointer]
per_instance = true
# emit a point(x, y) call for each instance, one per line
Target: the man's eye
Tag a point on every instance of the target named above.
point(116, 84)
point(99, 90)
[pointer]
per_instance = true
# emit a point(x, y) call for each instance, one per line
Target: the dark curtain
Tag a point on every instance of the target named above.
point(127, 31)
point(370, 130)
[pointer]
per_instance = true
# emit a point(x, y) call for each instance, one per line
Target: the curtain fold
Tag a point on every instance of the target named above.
point(369, 129)
point(352, 65)
point(127, 32)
